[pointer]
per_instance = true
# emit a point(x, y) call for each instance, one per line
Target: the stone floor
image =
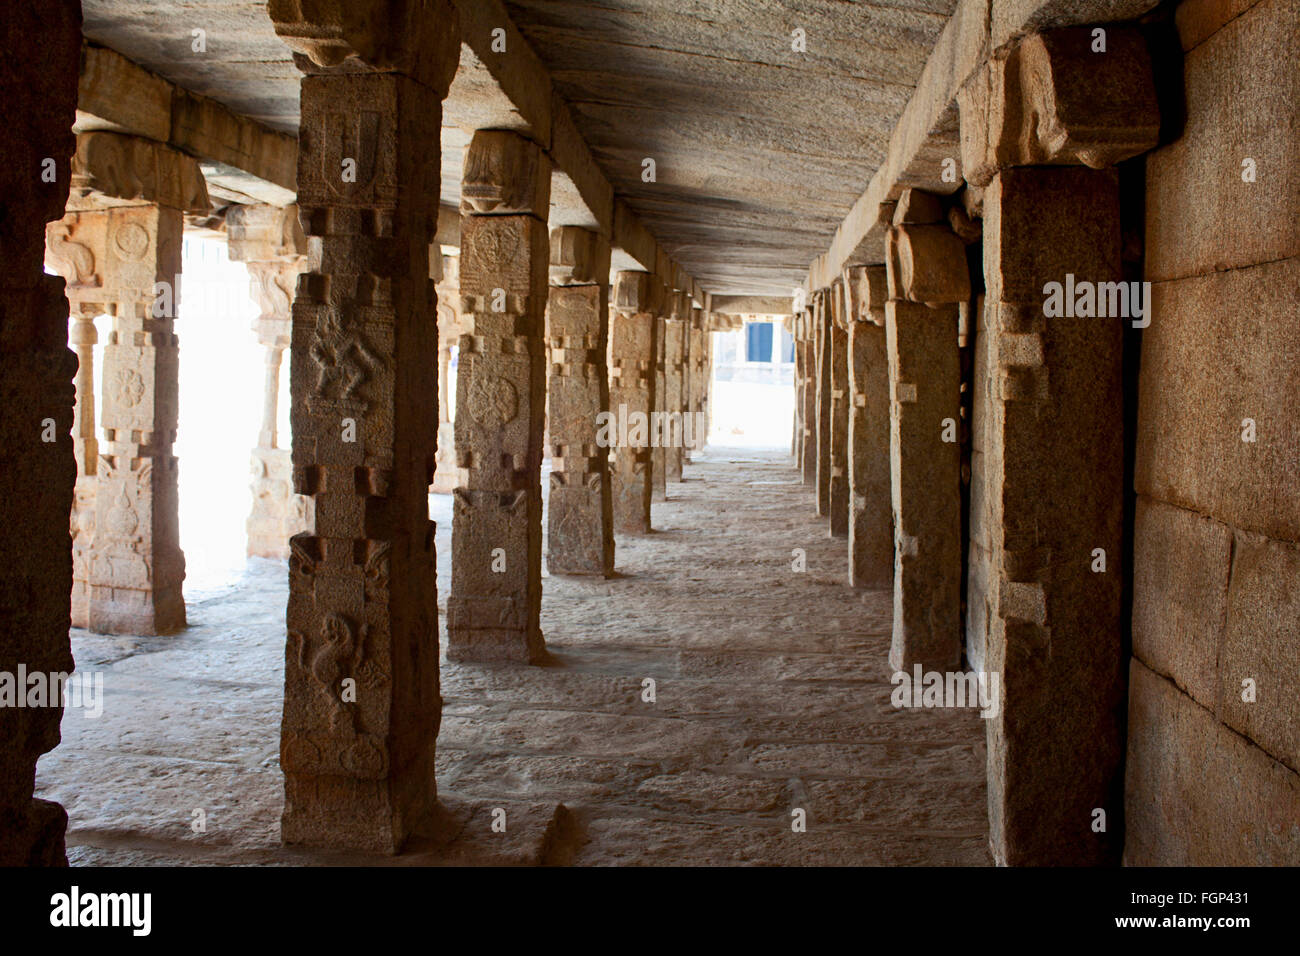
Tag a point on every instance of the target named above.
point(771, 693)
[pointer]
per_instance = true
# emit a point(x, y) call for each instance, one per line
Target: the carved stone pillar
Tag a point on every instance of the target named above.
point(634, 347)
point(496, 587)
point(927, 276)
point(580, 517)
point(822, 347)
point(38, 85)
point(706, 381)
point(659, 474)
point(871, 524)
point(674, 407)
point(362, 707)
point(82, 337)
point(1053, 470)
point(119, 247)
point(270, 240)
point(450, 329)
point(839, 477)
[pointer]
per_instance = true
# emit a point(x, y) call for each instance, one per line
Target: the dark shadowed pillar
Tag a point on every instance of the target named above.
point(38, 85)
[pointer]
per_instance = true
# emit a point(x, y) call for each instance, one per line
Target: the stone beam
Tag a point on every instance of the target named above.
point(238, 154)
point(512, 89)
point(927, 134)
point(753, 304)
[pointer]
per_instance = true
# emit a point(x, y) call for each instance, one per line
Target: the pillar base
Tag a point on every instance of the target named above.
point(488, 646)
point(144, 613)
point(368, 815)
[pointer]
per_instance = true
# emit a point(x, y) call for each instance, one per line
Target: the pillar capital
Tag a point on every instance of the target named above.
point(505, 174)
point(1052, 100)
point(418, 38)
point(264, 233)
point(578, 257)
point(867, 288)
point(638, 292)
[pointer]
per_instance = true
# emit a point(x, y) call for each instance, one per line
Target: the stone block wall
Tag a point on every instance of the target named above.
point(1213, 777)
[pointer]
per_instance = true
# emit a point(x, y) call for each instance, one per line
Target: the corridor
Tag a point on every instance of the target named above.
point(758, 711)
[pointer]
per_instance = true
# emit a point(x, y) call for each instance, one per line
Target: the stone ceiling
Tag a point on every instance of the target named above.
point(759, 150)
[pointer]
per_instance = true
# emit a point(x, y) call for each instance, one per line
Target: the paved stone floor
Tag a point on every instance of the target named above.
point(771, 693)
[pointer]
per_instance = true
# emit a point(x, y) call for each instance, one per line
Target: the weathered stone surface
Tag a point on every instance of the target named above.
point(871, 527)
point(924, 400)
point(580, 522)
point(1192, 416)
point(362, 601)
point(1056, 416)
point(1182, 562)
point(633, 350)
point(496, 592)
point(1197, 794)
point(1201, 216)
point(38, 84)
point(808, 443)
point(1259, 644)
point(1051, 100)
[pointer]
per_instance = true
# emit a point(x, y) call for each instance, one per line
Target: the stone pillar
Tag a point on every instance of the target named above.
point(38, 84)
point(496, 585)
point(823, 360)
point(808, 442)
point(927, 277)
point(674, 406)
point(580, 518)
point(699, 377)
point(871, 523)
point(362, 706)
point(634, 347)
point(270, 241)
point(450, 328)
point(689, 440)
point(82, 337)
point(796, 439)
point(1052, 476)
point(119, 248)
point(659, 475)
point(839, 476)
